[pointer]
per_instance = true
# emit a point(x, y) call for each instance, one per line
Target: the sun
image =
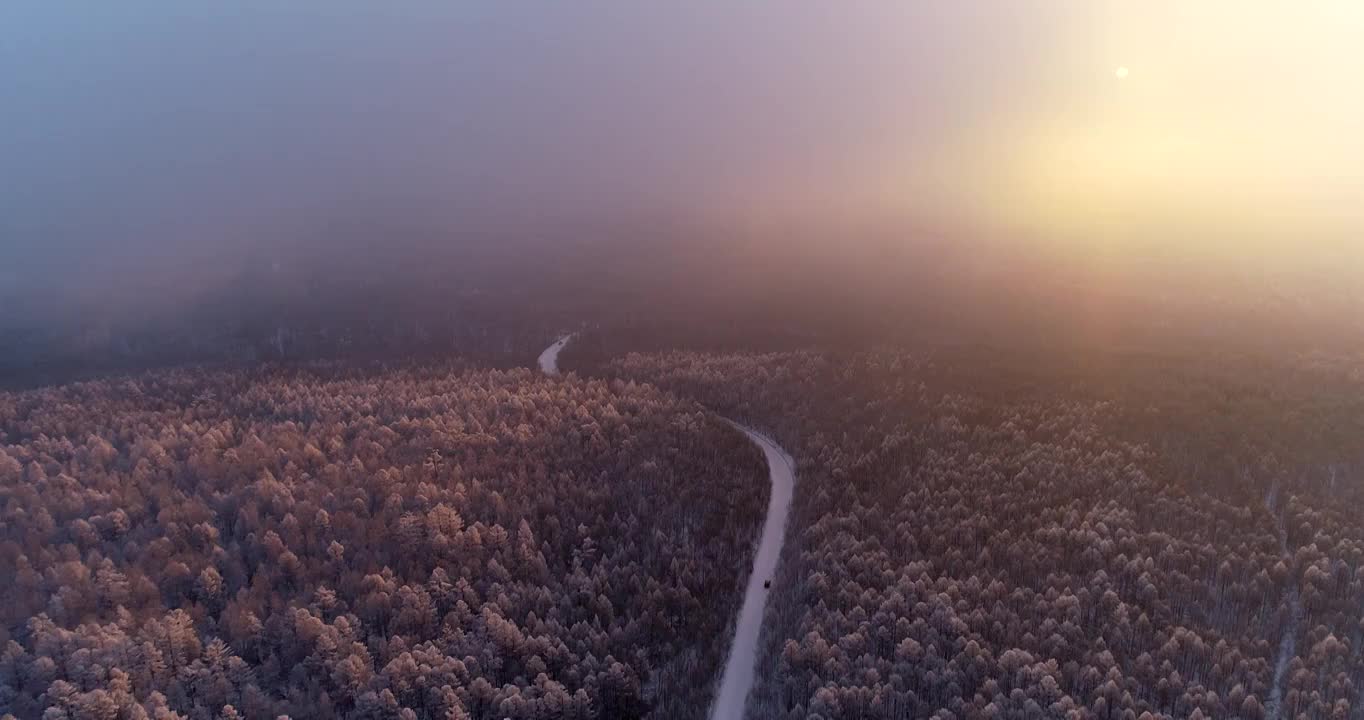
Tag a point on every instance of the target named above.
point(1122, 72)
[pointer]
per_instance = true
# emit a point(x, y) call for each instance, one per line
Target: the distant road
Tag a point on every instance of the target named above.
point(549, 359)
point(741, 667)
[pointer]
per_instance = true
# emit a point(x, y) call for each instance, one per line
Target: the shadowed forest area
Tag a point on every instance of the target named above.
point(976, 538)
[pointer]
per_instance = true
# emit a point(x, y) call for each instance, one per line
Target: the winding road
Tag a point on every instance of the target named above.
point(741, 666)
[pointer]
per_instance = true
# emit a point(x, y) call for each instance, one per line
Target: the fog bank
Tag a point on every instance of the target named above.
point(162, 146)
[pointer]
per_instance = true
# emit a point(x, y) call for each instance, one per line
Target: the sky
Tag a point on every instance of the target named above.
point(169, 134)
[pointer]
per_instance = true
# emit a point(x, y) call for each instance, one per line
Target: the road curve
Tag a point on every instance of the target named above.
point(741, 665)
point(549, 359)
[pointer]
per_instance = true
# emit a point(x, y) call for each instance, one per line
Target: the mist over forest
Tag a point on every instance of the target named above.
point(414, 292)
point(194, 183)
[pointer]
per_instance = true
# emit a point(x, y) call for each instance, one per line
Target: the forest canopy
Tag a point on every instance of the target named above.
point(425, 542)
point(975, 536)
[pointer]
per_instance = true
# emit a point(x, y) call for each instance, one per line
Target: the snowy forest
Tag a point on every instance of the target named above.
point(979, 539)
point(321, 542)
point(972, 536)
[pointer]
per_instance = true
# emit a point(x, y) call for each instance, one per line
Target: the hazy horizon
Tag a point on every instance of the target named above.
point(162, 138)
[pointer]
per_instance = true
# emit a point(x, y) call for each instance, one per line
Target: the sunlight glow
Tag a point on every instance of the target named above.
point(1228, 142)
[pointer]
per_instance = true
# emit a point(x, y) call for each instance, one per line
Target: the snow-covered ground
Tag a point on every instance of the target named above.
point(549, 359)
point(741, 666)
